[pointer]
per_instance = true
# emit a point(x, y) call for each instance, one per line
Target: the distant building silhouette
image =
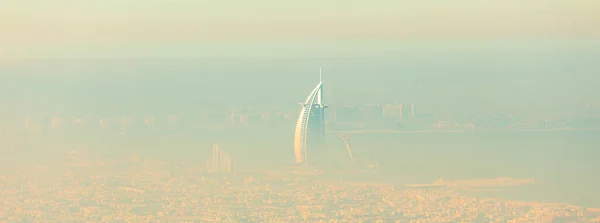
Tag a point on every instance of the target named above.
point(407, 111)
point(220, 161)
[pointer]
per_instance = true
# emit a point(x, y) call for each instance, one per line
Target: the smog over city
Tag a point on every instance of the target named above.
point(273, 111)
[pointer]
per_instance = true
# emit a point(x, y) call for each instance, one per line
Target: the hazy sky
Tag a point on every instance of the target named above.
point(462, 51)
point(151, 28)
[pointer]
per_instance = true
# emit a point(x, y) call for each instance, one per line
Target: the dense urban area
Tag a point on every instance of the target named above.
point(79, 189)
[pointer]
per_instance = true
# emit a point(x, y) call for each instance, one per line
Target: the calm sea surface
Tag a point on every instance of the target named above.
point(564, 164)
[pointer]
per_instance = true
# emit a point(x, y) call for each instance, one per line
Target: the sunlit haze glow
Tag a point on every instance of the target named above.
point(68, 28)
point(177, 110)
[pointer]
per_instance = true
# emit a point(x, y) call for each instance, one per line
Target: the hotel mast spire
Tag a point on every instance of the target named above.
point(320, 75)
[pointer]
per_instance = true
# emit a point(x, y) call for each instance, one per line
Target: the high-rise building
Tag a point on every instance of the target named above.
point(407, 111)
point(220, 161)
point(244, 118)
point(310, 127)
point(232, 118)
point(391, 110)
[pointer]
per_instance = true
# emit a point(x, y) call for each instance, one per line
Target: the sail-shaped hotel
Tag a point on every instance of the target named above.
point(310, 128)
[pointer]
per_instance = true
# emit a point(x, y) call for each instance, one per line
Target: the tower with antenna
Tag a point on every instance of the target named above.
point(310, 127)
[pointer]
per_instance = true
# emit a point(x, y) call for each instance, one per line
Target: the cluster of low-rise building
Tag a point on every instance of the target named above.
point(143, 192)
